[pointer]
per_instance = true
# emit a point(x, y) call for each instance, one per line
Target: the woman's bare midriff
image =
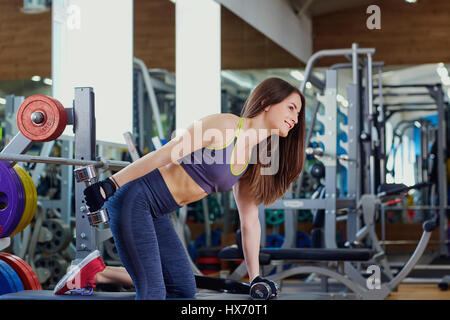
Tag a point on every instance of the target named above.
point(180, 184)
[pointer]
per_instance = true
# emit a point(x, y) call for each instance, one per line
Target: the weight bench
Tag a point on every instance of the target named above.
point(315, 260)
point(336, 264)
point(269, 255)
point(329, 263)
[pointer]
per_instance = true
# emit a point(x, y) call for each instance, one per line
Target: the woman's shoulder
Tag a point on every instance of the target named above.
point(224, 120)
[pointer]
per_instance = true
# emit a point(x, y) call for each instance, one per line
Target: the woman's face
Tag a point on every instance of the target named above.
point(284, 115)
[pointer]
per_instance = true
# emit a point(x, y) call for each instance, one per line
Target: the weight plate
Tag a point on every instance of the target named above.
point(30, 199)
point(61, 236)
point(34, 199)
point(54, 119)
point(111, 250)
point(26, 274)
point(274, 217)
point(208, 260)
point(12, 199)
point(6, 283)
point(57, 267)
point(15, 285)
point(21, 197)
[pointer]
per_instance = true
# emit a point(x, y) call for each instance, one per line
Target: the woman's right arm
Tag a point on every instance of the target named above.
point(173, 150)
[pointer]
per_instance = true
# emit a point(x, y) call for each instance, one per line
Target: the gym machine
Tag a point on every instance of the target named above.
point(435, 92)
point(362, 203)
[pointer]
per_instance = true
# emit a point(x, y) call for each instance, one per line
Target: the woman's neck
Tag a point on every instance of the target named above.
point(255, 129)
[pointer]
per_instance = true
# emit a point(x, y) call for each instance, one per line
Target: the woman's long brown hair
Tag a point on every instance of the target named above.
point(268, 188)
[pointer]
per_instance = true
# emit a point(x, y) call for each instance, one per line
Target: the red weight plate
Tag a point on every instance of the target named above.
point(208, 260)
point(36, 285)
point(26, 274)
point(53, 123)
point(63, 123)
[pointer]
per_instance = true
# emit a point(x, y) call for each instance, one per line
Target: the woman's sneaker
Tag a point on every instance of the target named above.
point(81, 276)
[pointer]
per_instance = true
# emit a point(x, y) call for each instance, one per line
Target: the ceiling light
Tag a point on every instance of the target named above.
point(48, 81)
point(411, 1)
point(2, 100)
point(36, 78)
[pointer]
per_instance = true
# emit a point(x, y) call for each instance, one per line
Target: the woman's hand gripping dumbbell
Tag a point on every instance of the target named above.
point(263, 289)
point(96, 193)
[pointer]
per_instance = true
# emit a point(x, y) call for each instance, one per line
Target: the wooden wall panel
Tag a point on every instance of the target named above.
point(25, 42)
point(410, 34)
point(244, 47)
point(154, 33)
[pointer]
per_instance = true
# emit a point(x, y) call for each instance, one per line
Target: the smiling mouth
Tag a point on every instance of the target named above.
point(287, 123)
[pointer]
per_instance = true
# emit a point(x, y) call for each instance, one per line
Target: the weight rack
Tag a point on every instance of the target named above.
point(82, 117)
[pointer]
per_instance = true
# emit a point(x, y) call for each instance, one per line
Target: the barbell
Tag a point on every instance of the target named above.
point(18, 198)
point(114, 165)
point(39, 118)
point(318, 152)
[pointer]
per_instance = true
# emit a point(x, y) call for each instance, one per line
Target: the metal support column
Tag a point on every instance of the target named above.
point(85, 137)
point(353, 152)
point(329, 140)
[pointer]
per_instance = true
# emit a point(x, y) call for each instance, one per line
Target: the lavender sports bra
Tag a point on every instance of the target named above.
point(211, 167)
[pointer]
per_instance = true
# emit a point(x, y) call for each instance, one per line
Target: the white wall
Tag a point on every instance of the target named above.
point(92, 46)
point(198, 60)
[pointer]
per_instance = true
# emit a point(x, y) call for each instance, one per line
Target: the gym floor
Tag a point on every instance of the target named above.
point(291, 290)
point(415, 291)
point(406, 291)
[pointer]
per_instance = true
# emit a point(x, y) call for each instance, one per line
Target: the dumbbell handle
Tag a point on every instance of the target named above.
point(85, 174)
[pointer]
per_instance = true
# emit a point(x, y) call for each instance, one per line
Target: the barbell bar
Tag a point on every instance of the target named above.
point(102, 164)
point(318, 152)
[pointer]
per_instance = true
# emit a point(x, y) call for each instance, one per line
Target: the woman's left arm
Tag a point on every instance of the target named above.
point(250, 229)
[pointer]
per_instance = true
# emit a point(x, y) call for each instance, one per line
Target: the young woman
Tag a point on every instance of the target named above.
point(185, 170)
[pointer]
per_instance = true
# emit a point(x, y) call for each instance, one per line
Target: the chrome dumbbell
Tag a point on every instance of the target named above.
point(87, 175)
point(262, 290)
